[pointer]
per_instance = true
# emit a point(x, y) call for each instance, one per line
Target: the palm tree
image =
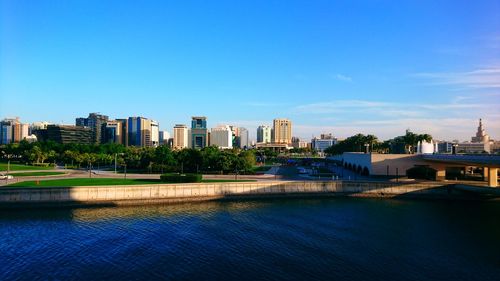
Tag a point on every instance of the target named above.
point(410, 140)
point(424, 137)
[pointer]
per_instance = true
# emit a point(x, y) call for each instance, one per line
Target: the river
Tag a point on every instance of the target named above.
point(279, 239)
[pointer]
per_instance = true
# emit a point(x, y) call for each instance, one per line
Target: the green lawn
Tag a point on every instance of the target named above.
point(96, 181)
point(20, 167)
point(36, 174)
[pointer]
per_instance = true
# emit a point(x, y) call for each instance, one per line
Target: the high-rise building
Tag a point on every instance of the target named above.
point(12, 130)
point(124, 130)
point(198, 136)
point(264, 134)
point(164, 136)
point(20, 132)
point(141, 132)
point(282, 131)
point(180, 136)
point(66, 134)
point(243, 134)
point(6, 131)
point(155, 133)
point(222, 137)
point(297, 143)
point(96, 122)
point(114, 132)
point(38, 126)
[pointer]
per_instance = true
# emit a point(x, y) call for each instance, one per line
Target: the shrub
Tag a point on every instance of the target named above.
point(181, 178)
point(43, 164)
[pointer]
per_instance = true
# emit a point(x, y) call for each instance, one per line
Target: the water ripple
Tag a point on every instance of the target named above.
point(320, 239)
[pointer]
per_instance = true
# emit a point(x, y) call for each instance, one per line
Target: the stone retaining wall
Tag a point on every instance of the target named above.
point(208, 191)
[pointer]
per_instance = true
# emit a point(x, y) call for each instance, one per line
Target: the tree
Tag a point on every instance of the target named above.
point(354, 143)
point(164, 159)
point(407, 142)
point(246, 161)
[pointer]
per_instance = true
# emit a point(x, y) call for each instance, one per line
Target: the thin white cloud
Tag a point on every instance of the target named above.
point(342, 77)
point(338, 105)
point(483, 78)
point(385, 108)
point(456, 119)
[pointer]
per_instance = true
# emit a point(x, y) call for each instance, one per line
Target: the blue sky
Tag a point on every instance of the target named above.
point(331, 66)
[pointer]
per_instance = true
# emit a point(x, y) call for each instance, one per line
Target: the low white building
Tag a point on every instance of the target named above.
point(424, 147)
point(321, 144)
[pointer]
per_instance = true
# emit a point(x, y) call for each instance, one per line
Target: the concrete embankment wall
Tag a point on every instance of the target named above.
point(144, 194)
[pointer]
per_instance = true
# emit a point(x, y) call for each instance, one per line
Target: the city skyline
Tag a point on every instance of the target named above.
point(374, 68)
point(251, 138)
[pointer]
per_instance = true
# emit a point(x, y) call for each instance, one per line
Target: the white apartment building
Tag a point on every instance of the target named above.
point(155, 133)
point(222, 137)
point(264, 134)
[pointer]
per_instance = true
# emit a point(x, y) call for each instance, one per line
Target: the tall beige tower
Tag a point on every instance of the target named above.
point(282, 131)
point(481, 135)
point(180, 136)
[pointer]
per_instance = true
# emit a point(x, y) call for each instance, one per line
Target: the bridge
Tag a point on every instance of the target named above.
point(489, 163)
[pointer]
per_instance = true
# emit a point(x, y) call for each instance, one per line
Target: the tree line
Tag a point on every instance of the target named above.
point(362, 143)
point(152, 159)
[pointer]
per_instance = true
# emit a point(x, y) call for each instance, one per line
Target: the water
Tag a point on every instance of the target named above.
point(316, 239)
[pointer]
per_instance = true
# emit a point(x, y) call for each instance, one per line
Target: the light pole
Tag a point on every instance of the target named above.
point(116, 155)
point(8, 164)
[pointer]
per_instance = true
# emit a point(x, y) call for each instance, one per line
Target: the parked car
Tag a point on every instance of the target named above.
point(6, 177)
point(302, 170)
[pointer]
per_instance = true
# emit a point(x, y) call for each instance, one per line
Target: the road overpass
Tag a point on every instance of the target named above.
point(489, 163)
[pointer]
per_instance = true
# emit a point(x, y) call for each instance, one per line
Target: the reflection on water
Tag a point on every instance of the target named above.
point(328, 239)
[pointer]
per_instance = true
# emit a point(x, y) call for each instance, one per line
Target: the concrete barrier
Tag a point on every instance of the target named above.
point(124, 194)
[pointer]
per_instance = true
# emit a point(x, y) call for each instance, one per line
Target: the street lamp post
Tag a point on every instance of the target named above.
point(116, 155)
